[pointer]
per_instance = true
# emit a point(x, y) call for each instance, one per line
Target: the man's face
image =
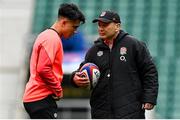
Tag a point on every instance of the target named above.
point(107, 30)
point(70, 27)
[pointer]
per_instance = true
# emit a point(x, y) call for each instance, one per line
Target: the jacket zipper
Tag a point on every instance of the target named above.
point(110, 83)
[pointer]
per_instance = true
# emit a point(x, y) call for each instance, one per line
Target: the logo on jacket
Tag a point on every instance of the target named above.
point(123, 51)
point(99, 53)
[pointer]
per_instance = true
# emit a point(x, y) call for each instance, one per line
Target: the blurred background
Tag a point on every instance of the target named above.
point(157, 22)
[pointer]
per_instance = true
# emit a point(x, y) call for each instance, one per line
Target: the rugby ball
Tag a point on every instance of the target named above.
point(92, 72)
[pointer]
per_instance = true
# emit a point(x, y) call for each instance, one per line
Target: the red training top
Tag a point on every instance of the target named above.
point(45, 67)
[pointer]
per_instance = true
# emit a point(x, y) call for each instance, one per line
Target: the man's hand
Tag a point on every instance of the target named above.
point(147, 106)
point(57, 97)
point(81, 80)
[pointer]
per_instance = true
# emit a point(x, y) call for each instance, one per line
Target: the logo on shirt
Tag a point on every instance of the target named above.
point(99, 53)
point(123, 51)
point(55, 115)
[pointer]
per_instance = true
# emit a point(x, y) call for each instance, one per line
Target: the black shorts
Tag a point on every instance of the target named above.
point(42, 109)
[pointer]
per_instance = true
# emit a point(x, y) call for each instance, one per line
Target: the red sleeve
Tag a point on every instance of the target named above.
point(44, 69)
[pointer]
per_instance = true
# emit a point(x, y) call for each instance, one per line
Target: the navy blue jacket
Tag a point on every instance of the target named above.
point(128, 78)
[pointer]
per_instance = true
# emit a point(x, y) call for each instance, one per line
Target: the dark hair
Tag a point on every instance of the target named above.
point(71, 11)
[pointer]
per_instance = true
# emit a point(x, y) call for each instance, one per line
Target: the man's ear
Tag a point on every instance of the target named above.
point(118, 25)
point(63, 22)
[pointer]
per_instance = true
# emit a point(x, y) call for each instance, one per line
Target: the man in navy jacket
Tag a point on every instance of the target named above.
point(128, 84)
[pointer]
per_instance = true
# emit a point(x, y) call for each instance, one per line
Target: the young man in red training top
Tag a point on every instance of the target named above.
point(44, 85)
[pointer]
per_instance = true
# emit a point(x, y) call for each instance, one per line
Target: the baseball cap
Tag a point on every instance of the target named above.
point(108, 16)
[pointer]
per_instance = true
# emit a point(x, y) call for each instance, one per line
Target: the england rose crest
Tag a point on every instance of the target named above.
point(123, 50)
